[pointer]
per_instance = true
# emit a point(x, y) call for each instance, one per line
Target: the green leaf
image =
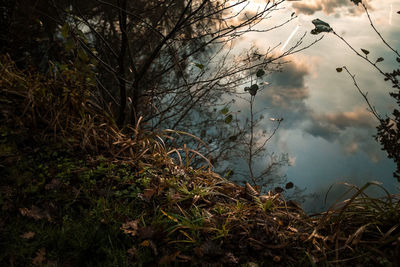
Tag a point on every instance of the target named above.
point(63, 67)
point(289, 185)
point(200, 66)
point(356, 2)
point(366, 52)
point(253, 89)
point(232, 138)
point(380, 59)
point(65, 30)
point(339, 69)
point(320, 26)
point(228, 119)
point(318, 22)
point(225, 110)
point(260, 73)
point(82, 55)
point(278, 189)
point(69, 45)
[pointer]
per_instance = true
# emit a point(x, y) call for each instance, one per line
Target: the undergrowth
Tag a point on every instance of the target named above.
point(77, 191)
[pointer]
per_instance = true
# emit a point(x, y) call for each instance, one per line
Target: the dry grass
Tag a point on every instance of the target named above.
point(195, 215)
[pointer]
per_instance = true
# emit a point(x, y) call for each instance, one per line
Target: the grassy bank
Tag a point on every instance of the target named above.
point(76, 191)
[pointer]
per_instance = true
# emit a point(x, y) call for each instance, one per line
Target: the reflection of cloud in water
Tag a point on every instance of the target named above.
point(286, 97)
point(309, 7)
point(286, 94)
point(327, 130)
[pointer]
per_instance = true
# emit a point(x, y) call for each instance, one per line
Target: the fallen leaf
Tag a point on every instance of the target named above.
point(40, 257)
point(277, 259)
point(132, 252)
point(35, 213)
point(167, 259)
point(184, 257)
point(28, 235)
point(130, 227)
point(149, 243)
point(148, 193)
point(145, 243)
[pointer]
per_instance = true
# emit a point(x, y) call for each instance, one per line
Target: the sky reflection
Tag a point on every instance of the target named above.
point(327, 130)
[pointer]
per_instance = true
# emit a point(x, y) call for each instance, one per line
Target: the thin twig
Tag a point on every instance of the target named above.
point(372, 108)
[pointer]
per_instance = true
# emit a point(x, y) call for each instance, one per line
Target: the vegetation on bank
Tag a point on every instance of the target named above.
point(76, 191)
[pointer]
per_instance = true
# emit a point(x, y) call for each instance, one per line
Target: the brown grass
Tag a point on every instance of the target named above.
point(215, 219)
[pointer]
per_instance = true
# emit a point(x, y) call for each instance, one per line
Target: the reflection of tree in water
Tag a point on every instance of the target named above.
point(170, 62)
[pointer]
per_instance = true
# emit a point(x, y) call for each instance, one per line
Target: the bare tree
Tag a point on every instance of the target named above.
point(171, 62)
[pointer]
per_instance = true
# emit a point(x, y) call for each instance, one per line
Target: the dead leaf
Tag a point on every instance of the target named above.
point(149, 243)
point(148, 193)
point(145, 243)
point(277, 259)
point(35, 213)
point(184, 257)
point(130, 227)
point(40, 257)
point(167, 259)
point(27, 235)
point(132, 252)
